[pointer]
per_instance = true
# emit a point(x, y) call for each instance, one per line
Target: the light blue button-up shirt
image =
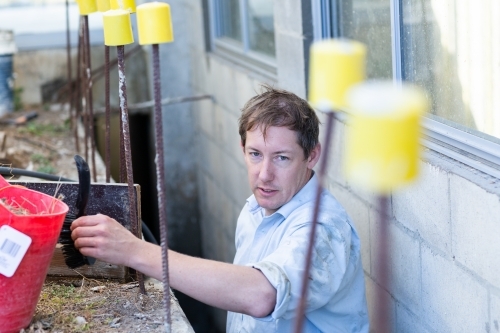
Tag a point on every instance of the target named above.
point(277, 246)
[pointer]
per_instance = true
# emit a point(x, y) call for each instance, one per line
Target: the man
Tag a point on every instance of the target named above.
point(279, 139)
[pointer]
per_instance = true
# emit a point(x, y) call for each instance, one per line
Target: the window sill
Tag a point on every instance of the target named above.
point(257, 63)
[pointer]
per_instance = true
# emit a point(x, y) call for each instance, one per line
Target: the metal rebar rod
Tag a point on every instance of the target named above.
point(160, 184)
point(299, 319)
point(107, 139)
point(85, 97)
point(123, 169)
point(78, 100)
point(382, 315)
point(122, 92)
point(90, 102)
point(68, 54)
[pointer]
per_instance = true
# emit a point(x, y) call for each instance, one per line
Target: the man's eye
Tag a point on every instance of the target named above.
point(254, 154)
point(282, 158)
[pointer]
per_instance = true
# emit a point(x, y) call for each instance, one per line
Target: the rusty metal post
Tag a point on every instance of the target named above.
point(68, 54)
point(382, 315)
point(78, 98)
point(107, 155)
point(299, 318)
point(160, 183)
point(90, 103)
point(122, 92)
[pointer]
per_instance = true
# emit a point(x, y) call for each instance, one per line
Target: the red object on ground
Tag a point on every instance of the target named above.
point(19, 294)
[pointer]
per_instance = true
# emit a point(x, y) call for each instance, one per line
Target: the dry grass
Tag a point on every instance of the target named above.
point(97, 306)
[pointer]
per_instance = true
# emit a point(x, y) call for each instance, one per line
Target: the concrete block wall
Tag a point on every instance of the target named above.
point(443, 229)
point(443, 251)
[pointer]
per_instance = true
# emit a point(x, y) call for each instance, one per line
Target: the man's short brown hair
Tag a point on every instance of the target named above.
point(281, 108)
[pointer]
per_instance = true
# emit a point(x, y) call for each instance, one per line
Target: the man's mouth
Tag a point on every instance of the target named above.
point(266, 190)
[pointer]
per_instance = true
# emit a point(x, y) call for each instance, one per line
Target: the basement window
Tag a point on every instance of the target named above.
point(243, 31)
point(450, 49)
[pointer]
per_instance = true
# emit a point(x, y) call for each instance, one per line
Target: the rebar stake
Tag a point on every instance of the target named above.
point(122, 91)
point(299, 319)
point(78, 87)
point(68, 56)
point(90, 121)
point(107, 138)
point(382, 317)
point(160, 183)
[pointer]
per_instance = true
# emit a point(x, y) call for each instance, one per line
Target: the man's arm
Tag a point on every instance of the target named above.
point(230, 287)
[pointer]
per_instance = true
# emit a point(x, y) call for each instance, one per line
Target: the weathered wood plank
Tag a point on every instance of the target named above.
point(110, 199)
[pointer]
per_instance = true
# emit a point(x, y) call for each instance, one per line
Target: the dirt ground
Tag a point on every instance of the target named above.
point(97, 306)
point(46, 144)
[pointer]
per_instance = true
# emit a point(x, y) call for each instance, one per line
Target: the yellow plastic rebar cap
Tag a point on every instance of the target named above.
point(128, 5)
point(382, 143)
point(336, 65)
point(117, 28)
point(87, 7)
point(103, 5)
point(154, 23)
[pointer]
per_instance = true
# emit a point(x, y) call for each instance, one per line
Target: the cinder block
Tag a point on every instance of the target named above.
point(205, 115)
point(403, 256)
point(452, 300)
point(225, 84)
point(288, 15)
point(199, 75)
point(244, 89)
point(475, 228)
point(213, 198)
point(495, 314)
point(377, 297)
point(219, 126)
point(407, 322)
point(290, 61)
point(424, 207)
point(336, 153)
point(202, 190)
point(359, 213)
point(221, 82)
point(231, 137)
point(210, 158)
point(235, 181)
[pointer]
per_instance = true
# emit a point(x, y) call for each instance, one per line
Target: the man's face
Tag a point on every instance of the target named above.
point(277, 169)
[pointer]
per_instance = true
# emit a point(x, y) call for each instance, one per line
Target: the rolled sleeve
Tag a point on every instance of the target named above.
point(285, 266)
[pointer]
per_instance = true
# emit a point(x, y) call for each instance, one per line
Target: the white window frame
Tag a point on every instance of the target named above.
point(236, 51)
point(480, 152)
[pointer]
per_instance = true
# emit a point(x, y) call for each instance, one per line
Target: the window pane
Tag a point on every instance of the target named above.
point(229, 19)
point(369, 21)
point(261, 26)
point(451, 48)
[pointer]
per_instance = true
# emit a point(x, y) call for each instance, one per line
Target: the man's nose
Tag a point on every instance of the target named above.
point(266, 172)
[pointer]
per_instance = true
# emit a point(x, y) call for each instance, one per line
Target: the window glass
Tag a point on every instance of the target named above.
point(229, 19)
point(369, 21)
point(451, 48)
point(261, 26)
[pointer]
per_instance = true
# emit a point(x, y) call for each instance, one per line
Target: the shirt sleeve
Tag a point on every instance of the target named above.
point(284, 268)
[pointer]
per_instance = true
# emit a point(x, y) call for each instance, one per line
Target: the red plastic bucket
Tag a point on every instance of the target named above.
point(19, 293)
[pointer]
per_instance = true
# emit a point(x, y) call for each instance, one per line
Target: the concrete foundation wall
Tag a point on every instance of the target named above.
point(35, 68)
point(445, 268)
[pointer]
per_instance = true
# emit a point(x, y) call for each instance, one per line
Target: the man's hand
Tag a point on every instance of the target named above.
point(102, 237)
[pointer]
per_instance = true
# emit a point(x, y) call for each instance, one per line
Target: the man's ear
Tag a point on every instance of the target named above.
point(242, 147)
point(314, 156)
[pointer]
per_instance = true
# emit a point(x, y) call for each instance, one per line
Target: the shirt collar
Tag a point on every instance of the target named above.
point(305, 194)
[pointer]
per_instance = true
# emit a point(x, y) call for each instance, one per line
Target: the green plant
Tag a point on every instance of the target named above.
point(17, 100)
point(38, 129)
point(45, 165)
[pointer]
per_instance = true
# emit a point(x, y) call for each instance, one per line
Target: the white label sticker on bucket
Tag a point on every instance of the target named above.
point(13, 247)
